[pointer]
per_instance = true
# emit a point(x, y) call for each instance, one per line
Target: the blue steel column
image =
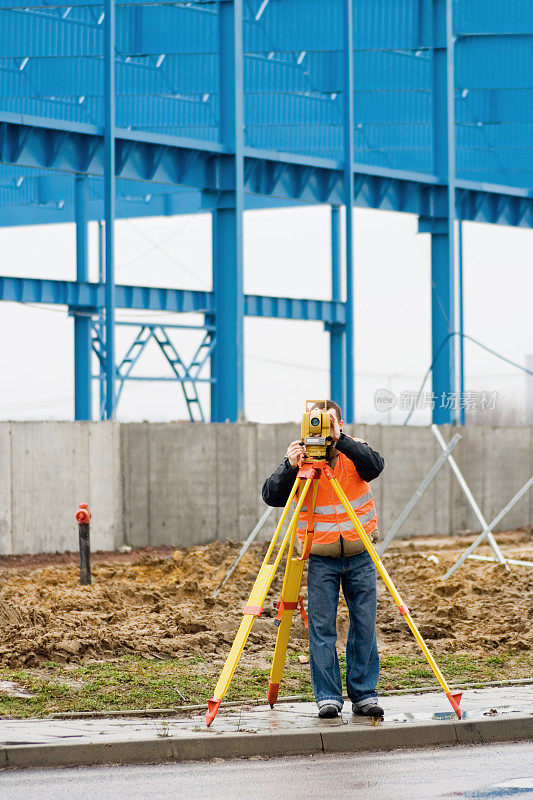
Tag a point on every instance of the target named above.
point(349, 205)
point(109, 204)
point(461, 325)
point(337, 335)
point(442, 237)
point(82, 324)
point(101, 278)
point(227, 361)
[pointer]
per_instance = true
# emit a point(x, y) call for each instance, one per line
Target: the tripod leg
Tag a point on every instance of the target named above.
point(289, 599)
point(257, 597)
point(288, 602)
point(454, 699)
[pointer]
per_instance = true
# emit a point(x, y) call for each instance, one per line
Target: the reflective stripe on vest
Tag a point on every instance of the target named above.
point(324, 527)
point(360, 501)
point(330, 520)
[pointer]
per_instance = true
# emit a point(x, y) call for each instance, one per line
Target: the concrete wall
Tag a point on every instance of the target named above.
point(182, 484)
point(46, 469)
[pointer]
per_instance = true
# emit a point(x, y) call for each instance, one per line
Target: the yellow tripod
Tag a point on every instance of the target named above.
point(309, 473)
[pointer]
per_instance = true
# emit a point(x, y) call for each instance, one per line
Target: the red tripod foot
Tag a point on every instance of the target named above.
point(455, 699)
point(212, 708)
point(273, 689)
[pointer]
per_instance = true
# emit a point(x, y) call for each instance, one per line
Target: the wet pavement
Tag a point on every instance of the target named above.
point(479, 772)
point(418, 710)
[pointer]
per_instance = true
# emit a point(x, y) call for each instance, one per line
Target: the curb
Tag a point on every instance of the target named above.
point(245, 745)
point(259, 701)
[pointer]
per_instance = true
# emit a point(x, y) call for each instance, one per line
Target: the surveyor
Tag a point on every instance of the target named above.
point(339, 558)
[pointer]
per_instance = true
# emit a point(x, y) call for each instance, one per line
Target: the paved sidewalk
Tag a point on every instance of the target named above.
point(496, 714)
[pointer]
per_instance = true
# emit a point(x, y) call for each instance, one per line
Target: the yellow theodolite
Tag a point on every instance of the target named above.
point(317, 439)
point(316, 430)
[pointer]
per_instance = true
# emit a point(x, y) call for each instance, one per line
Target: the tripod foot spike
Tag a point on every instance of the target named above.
point(273, 689)
point(455, 699)
point(212, 708)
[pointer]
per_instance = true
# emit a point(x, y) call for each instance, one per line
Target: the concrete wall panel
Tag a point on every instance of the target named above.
point(135, 460)
point(409, 454)
point(229, 468)
point(269, 454)
point(6, 527)
point(508, 467)
point(105, 485)
point(470, 457)
point(250, 482)
point(441, 487)
point(50, 476)
point(181, 484)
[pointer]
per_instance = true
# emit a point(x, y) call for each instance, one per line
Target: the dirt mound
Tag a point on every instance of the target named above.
point(158, 604)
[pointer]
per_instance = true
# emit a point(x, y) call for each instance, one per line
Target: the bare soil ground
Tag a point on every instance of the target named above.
point(157, 604)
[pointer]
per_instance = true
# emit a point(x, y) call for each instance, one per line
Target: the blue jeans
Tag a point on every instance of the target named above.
point(357, 576)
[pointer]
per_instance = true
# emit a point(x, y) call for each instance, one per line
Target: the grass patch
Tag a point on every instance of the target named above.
point(135, 682)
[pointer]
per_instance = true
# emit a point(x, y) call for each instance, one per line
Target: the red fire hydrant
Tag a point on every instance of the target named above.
point(83, 518)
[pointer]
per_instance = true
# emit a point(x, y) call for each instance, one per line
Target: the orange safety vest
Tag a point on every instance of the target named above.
point(330, 520)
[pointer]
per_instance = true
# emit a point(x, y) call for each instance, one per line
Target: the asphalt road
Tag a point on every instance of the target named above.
point(480, 771)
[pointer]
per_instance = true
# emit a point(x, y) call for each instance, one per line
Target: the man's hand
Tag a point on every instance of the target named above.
point(294, 452)
point(335, 425)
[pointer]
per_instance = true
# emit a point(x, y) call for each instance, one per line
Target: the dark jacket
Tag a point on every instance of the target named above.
point(368, 463)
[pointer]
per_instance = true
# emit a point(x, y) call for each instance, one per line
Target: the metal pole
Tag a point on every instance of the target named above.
point(244, 549)
point(418, 494)
point(349, 414)
point(82, 323)
point(487, 531)
point(109, 204)
point(337, 335)
point(83, 518)
point(516, 561)
point(470, 497)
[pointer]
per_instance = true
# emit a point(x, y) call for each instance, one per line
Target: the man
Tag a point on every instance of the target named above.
point(338, 558)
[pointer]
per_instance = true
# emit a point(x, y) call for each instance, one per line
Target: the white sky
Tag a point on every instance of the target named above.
point(286, 253)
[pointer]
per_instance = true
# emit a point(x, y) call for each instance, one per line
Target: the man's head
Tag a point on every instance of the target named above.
point(330, 404)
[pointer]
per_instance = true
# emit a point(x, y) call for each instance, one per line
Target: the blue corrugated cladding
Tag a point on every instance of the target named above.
point(167, 77)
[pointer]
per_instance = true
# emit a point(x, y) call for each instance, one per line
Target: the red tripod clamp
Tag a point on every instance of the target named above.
point(281, 605)
point(312, 469)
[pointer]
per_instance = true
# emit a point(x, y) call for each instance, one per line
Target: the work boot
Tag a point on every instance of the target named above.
point(328, 711)
point(370, 710)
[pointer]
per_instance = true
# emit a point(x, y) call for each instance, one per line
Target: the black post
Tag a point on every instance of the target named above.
point(83, 518)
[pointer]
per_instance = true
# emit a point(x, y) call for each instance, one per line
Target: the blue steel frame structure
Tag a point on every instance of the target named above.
point(224, 176)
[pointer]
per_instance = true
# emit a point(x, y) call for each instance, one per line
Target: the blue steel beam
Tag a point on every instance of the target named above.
point(208, 5)
point(16, 208)
point(471, 204)
point(91, 297)
point(82, 322)
point(69, 147)
point(392, 24)
point(227, 360)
